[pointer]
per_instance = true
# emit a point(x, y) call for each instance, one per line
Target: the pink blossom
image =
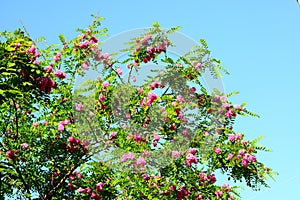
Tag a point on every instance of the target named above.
point(231, 137)
point(105, 84)
point(175, 154)
point(193, 89)
point(185, 132)
point(141, 161)
point(24, 145)
point(218, 150)
point(95, 196)
point(112, 135)
point(152, 96)
point(84, 44)
point(119, 71)
point(156, 137)
point(238, 136)
point(31, 50)
point(141, 90)
point(71, 139)
point(134, 79)
point(81, 190)
point(218, 193)
point(10, 154)
point(190, 158)
point(99, 186)
point(253, 158)
point(245, 142)
point(57, 57)
point(85, 66)
point(198, 65)
point(245, 162)
point(88, 190)
point(79, 107)
point(203, 176)
point(193, 151)
point(129, 156)
point(101, 97)
point(242, 152)
point(59, 74)
point(45, 123)
point(212, 178)
point(229, 157)
point(226, 187)
point(61, 127)
point(35, 124)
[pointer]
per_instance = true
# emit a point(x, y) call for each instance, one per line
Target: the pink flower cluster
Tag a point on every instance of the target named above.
point(147, 49)
point(89, 191)
point(128, 156)
point(60, 74)
point(105, 58)
point(33, 54)
point(234, 137)
point(191, 158)
point(155, 84)
point(46, 84)
point(61, 125)
point(151, 98)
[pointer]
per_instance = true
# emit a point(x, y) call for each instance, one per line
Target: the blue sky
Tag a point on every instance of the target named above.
point(257, 41)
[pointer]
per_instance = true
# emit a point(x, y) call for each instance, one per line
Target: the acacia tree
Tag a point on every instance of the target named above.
point(167, 138)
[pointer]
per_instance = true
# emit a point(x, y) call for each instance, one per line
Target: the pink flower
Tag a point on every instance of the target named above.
point(83, 44)
point(10, 154)
point(24, 145)
point(81, 190)
point(71, 139)
point(129, 156)
point(88, 190)
point(105, 84)
point(134, 79)
point(61, 127)
point(218, 193)
point(59, 74)
point(245, 162)
point(242, 152)
point(185, 132)
point(226, 187)
point(152, 96)
point(245, 142)
point(112, 135)
point(99, 186)
point(175, 154)
point(31, 50)
point(141, 90)
point(253, 158)
point(231, 137)
point(95, 196)
point(218, 150)
point(229, 157)
point(35, 124)
point(190, 158)
point(85, 66)
point(198, 65)
point(119, 71)
point(141, 161)
point(45, 122)
point(192, 151)
point(156, 137)
point(57, 57)
point(79, 107)
point(238, 136)
point(101, 97)
point(212, 178)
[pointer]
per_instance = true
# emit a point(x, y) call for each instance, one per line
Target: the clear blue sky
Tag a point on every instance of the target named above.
point(257, 41)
